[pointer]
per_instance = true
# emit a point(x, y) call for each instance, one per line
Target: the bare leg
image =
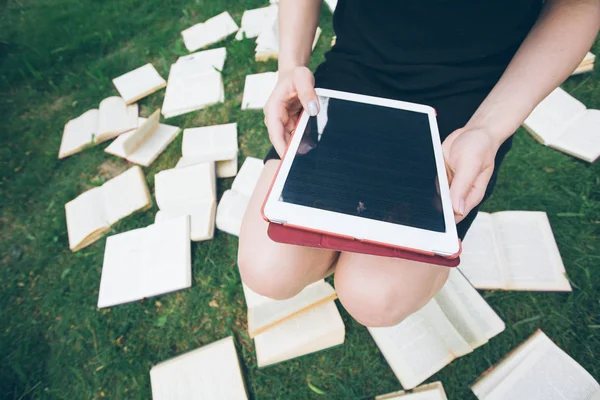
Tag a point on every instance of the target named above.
point(381, 291)
point(276, 270)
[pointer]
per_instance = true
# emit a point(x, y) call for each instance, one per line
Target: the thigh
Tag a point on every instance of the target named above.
point(273, 269)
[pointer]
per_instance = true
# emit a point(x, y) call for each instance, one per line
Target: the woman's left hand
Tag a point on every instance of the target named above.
point(469, 156)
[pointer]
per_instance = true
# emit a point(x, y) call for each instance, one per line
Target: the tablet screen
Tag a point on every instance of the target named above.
point(368, 161)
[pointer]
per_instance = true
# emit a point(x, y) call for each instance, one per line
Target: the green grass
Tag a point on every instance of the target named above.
point(57, 59)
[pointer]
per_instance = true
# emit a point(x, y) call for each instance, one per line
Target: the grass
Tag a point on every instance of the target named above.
point(57, 59)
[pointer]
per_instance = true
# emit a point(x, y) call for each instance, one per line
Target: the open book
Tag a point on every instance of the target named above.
point(254, 21)
point(112, 118)
point(146, 262)
point(211, 143)
point(211, 372)
point(537, 370)
point(143, 145)
point(195, 82)
point(139, 83)
point(454, 323)
point(513, 250)
point(234, 202)
point(188, 191)
point(257, 89)
point(586, 65)
point(208, 32)
point(90, 215)
point(562, 122)
point(431, 391)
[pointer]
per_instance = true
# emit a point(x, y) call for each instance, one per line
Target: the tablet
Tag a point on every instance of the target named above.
point(368, 169)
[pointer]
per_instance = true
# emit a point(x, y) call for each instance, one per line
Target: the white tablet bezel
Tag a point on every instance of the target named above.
point(441, 243)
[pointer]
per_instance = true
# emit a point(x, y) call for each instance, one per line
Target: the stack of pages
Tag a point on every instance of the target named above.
point(91, 214)
point(562, 122)
point(211, 31)
point(513, 250)
point(112, 118)
point(257, 89)
point(537, 370)
point(216, 143)
point(431, 391)
point(188, 191)
point(234, 202)
point(254, 21)
point(286, 329)
point(139, 83)
point(586, 65)
point(211, 372)
point(195, 82)
point(454, 323)
point(144, 144)
point(146, 262)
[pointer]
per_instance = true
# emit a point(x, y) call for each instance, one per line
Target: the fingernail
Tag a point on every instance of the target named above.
point(313, 109)
point(461, 207)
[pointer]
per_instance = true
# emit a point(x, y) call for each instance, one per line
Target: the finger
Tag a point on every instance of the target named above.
point(276, 132)
point(304, 84)
point(463, 180)
point(478, 190)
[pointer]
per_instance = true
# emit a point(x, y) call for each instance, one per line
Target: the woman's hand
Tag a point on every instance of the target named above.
point(294, 90)
point(469, 156)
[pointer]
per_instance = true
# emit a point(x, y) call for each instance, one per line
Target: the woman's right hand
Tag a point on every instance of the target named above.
point(294, 90)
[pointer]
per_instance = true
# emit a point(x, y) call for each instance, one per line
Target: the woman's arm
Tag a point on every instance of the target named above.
point(298, 20)
point(554, 47)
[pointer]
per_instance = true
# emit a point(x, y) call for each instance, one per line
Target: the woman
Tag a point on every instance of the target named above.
point(483, 65)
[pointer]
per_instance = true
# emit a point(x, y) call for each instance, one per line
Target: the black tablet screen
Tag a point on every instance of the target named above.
point(368, 161)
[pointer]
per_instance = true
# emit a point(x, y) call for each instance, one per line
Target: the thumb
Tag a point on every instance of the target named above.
point(465, 174)
point(304, 84)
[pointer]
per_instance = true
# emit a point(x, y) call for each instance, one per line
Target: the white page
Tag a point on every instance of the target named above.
point(211, 31)
point(230, 212)
point(316, 329)
point(201, 62)
point(191, 94)
point(202, 218)
point(553, 115)
point(85, 215)
point(210, 372)
point(331, 4)
point(413, 348)
point(212, 143)
point(79, 133)
point(247, 178)
point(114, 118)
point(224, 169)
point(257, 89)
point(193, 186)
point(254, 21)
point(139, 83)
point(430, 391)
point(125, 194)
point(480, 261)
point(582, 138)
point(532, 257)
point(139, 135)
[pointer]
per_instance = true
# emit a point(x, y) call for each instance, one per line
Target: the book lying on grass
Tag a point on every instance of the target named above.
point(265, 313)
point(537, 370)
point(211, 372)
point(195, 82)
point(112, 118)
point(431, 391)
point(513, 250)
point(257, 89)
point(91, 214)
point(188, 191)
point(211, 143)
point(254, 21)
point(146, 262)
point(454, 323)
point(211, 31)
point(143, 145)
point(139, 83)
point(564, 123)
point(233, 204)
point(586, 65)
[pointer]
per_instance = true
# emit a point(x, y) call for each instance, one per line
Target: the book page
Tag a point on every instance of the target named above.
point(210, 372)
point(430, 391)
point(154, 144)
point(254, 21)
point(114, 118)
point(247, 177)
point(316, 329)
point(139, 83)
point(211, 31)
point(230, 212)
point(533, 261)
point(553, 115)
point(125, 194)
point(201, 62)
point(413, 348)
point(133, 141)
point(227, 168)
point(547, 373)
point(79, 133)
point(480, 261)
point(582, 138)
point(85, 217)
point(180, 187)
point(468, 312)
point(257, 89)
point(212, 143)
point(184, 95)
point(202, 218)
